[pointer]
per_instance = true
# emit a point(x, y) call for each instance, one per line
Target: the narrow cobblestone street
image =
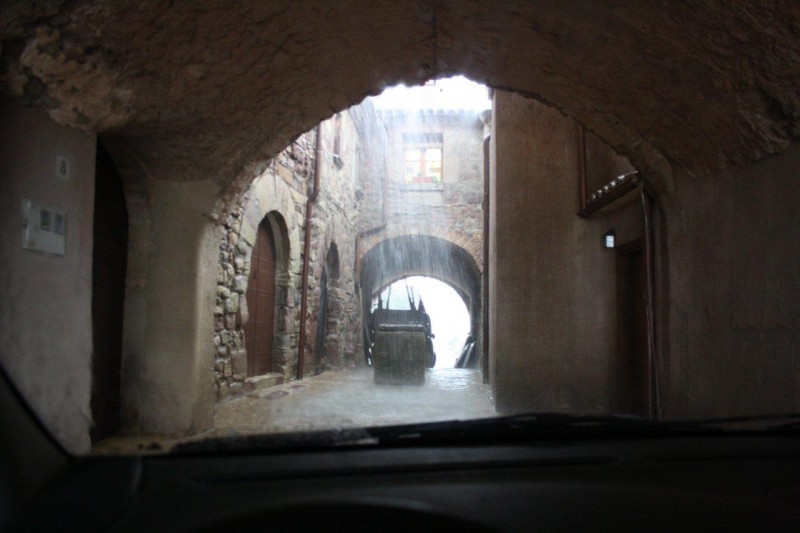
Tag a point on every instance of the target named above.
point(352, 399)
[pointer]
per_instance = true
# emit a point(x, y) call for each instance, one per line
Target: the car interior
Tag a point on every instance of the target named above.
point(246, 286)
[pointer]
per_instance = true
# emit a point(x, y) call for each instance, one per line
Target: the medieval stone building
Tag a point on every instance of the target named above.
point(351, 191)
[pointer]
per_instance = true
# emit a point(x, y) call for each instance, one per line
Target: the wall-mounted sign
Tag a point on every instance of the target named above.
point(44, 229)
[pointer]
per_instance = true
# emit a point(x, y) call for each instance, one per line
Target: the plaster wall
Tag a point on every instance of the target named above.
point(45, 310)
point(552, 332)
point(728, 264)
point(167, 380)
point(732, 291)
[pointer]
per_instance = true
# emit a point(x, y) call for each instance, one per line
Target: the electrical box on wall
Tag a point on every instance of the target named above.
point(44, 229)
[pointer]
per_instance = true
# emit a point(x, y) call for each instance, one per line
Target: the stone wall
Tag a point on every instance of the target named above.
point(187, 120)
point(354, 167)
point(280, 193)
point(335, 224)
point(446, 218)
point(453, 210)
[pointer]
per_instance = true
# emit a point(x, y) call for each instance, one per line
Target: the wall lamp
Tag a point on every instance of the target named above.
point(610, 239)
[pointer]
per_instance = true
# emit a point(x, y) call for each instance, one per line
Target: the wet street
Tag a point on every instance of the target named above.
point(351, 399)
point(332, 400)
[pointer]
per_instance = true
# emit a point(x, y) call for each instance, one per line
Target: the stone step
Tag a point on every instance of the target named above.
point(265, 381)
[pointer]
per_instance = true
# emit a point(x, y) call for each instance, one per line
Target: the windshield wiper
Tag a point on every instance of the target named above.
point(522, 428)
point(547, 426)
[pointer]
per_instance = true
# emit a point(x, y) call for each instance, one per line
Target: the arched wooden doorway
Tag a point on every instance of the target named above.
point(258, 331)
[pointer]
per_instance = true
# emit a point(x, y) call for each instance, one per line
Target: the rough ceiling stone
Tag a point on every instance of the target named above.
point(197, 90)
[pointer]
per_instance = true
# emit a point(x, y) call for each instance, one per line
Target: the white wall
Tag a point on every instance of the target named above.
point(45, 301)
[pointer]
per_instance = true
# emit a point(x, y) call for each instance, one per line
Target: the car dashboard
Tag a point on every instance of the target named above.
point(656, 484)
point(684, 480)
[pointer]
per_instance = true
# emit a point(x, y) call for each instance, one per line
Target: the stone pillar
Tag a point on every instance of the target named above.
point(167, 374)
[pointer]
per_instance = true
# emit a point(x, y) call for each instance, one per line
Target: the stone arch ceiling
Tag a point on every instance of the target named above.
point(419, 255)
point(202, 89)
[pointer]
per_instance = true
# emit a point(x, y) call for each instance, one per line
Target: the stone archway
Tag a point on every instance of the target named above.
point(422, 255)
point(651, 102)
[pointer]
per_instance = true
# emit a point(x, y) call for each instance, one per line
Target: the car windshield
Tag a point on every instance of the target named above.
point(204, 242)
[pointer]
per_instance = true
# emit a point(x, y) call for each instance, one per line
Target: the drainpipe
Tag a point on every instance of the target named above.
point(653, 385)
point(312, 198)
point(487, 168)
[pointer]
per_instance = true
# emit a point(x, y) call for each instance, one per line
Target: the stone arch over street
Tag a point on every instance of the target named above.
point(567, 75)
point(469, 243)
point(421, 255)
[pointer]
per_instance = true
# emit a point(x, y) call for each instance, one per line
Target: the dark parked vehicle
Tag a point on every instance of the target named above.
point(401, 346)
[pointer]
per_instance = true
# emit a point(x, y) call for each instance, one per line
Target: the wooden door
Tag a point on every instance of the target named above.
point(261, 303)
point(109, 265)
point(634, 375)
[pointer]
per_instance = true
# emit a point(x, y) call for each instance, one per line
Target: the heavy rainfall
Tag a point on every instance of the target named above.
point(389, 322)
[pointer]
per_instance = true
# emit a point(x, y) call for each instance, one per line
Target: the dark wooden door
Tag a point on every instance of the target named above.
point(109, 264)
point(632, 332)
point(261, 303)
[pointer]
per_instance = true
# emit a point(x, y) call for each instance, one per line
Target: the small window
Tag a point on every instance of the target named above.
point(337, 135)
point(337, 141)
point(422, 158)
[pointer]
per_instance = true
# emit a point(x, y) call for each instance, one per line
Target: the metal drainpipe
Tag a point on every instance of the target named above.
point(653, 384)
point(312, 198)
point(487, 168)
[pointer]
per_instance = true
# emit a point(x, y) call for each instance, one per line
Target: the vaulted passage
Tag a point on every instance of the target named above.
point(673, 124)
